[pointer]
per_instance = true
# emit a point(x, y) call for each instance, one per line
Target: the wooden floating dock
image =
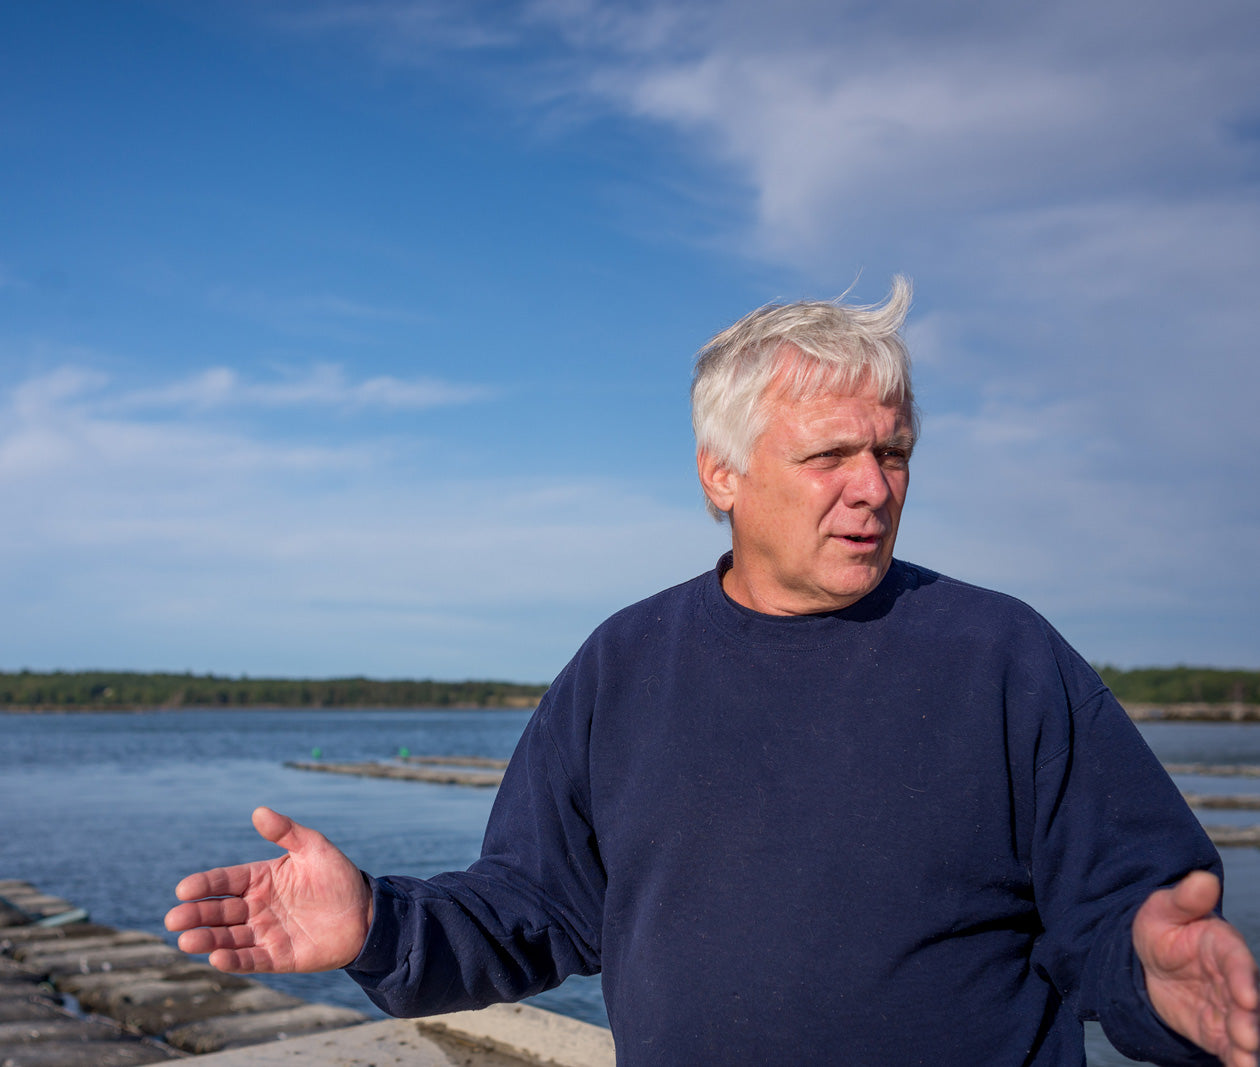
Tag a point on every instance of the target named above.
point(1223, 836)
point(1232, 712)
point(459, 761)
point(77, 994)
point(1224, 801)
point(440, 770)
point(1215, 770)
point(1234, 836)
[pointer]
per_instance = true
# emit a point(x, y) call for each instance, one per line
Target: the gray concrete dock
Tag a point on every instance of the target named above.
point(78, 994)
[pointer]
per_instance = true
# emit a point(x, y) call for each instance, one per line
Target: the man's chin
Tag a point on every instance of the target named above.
point(856, 582)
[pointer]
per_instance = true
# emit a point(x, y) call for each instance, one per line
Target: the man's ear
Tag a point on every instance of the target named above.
point(718, 481)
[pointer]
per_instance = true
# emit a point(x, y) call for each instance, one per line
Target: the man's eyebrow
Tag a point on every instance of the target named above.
point(900, 440)
point(903, 439)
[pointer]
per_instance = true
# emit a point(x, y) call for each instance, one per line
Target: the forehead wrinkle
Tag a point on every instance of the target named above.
point(836, 426)
point(798, 378)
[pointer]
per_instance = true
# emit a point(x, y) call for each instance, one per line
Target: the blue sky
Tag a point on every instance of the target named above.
point(354, 338)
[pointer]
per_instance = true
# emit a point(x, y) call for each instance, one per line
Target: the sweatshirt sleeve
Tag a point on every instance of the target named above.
point(521, 919)
point(1111, 829)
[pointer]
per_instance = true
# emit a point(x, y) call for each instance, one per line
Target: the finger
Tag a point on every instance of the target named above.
point(195, 942)
point(1237, 1056)
point(219, 882)
point(218, 911)
point(1242, 1029)
point(232, 961)
point(209, 938)
point(179, 919)
point(1241, 975)
point(242, 961)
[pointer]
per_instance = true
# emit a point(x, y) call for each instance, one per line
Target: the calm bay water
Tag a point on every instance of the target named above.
point(111, 810)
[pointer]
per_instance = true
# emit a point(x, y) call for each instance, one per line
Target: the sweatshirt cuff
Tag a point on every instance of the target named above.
point(379, 954)
point(1130, 1020)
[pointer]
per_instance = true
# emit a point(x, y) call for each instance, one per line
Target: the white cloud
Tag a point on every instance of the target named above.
point(128, 457)
point(399, 28)
point(841, 117)
point(35, 396)
point(304, 312)
point(1072, 190)
point(153, 538)
point(1126, 551)
point(844, 118)
point(1072, 186)
point(323, 385)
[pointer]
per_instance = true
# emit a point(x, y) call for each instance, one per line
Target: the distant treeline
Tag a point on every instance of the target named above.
point(1182, 685)
point(125, 691)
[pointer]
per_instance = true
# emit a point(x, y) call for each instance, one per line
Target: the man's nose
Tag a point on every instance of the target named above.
point(867, 484)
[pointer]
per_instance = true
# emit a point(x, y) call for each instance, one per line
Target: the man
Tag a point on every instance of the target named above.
point(818, 805)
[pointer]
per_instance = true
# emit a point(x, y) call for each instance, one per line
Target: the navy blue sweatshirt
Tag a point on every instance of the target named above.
point(914, 831)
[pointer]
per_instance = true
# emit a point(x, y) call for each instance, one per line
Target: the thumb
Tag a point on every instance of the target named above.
point(280, 830)
point(1189, 900)
point(1196, 895)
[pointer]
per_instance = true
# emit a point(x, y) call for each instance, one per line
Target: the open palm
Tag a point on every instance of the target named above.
point(1200, 976)
point(308, 910)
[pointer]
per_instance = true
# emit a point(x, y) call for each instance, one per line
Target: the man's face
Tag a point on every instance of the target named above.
point(814, 519)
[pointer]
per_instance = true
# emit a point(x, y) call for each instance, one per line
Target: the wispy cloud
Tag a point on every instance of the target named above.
point(1075, 195)
point(838, 112)
point(402, 29)
point(857, 123)
point(1072, 186)
point(321, 386)
point(150, 537)
point(65, 436)
point(1141, 550)
point(324, 315)
point(75, 432)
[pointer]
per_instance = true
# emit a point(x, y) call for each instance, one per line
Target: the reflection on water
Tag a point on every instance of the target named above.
point(111, 810)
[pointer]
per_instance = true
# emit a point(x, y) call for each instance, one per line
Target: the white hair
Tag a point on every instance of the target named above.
point(812, 346)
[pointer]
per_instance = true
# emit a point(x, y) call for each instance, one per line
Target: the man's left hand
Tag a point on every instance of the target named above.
point(1200, 975)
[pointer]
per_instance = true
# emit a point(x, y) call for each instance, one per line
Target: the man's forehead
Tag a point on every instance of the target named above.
point(844, 402)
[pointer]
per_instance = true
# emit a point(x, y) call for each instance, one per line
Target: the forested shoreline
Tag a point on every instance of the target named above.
point(1182, 685)
point(135, 690)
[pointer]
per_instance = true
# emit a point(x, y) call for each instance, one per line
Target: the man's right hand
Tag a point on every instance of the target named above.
point(308, 910)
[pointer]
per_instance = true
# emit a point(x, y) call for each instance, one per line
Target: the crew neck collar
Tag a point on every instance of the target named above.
point(796, 630)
